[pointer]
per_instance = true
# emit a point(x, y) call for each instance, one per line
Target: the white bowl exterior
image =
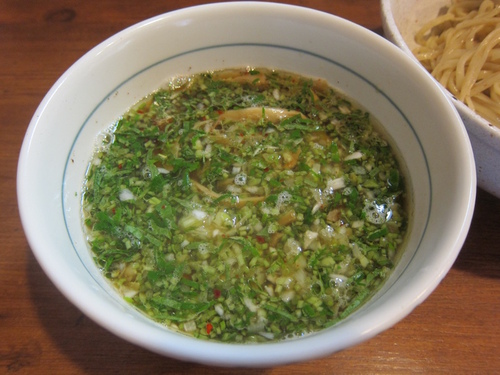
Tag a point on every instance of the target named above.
point(401, 19)
point(100, 87)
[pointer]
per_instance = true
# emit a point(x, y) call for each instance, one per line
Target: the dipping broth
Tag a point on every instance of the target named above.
point(245, 205)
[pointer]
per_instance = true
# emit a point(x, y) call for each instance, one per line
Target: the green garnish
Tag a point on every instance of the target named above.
point(245, 206)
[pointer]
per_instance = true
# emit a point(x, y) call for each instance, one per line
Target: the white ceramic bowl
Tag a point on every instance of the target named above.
point(401, 19)
point(102, 85)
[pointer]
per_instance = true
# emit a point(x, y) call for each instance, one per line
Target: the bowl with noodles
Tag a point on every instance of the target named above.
point(457, 42)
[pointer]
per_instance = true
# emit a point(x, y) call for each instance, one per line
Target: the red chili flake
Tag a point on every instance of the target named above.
point(140, 111)
point(120, 166)
point(266, 169)
point(260, 239)
point(242, 134)
point(209, 328)
point(217, 293)
point(113, 210)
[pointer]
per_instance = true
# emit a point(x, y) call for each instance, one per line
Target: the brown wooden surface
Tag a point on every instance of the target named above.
point(456, 330)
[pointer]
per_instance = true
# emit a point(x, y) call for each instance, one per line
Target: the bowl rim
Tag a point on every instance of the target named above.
point(213, 353)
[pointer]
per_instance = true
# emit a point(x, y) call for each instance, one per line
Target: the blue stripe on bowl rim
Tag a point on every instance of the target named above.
point(249, 44)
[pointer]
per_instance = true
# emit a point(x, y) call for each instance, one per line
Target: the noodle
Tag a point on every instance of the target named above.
point(461, 49)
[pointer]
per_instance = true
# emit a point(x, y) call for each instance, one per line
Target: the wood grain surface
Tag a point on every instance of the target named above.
point(456, 330)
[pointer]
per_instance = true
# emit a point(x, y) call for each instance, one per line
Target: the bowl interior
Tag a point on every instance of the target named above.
point(99, 88)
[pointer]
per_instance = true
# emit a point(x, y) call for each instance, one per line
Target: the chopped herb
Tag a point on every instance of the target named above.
point(245, 206)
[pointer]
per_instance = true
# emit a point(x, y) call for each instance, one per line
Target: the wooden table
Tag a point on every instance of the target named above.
point(456, 330)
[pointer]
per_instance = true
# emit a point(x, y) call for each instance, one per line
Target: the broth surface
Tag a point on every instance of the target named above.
point(245, 205)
